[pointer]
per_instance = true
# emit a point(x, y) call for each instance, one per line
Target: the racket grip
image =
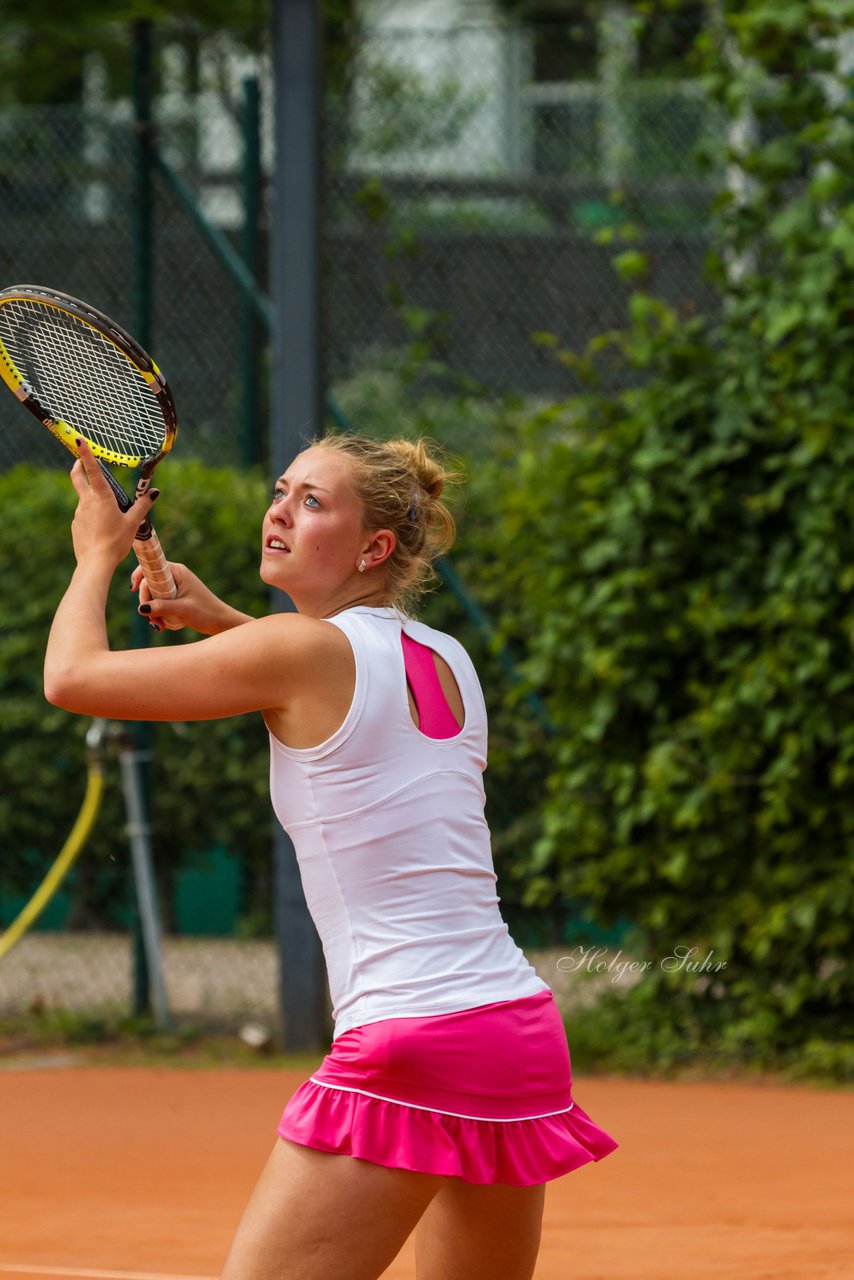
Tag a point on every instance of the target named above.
point(158, 575)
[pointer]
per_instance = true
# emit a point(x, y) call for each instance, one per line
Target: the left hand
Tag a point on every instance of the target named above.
point(100, 529)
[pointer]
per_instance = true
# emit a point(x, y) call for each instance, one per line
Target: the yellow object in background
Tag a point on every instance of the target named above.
point(76, 840)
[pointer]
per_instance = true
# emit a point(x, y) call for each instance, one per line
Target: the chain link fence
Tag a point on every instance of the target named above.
point(68, 222)
point(220, 983)
point(475, 195)
point(477, 187)
point(212, 981)
point(479, 191)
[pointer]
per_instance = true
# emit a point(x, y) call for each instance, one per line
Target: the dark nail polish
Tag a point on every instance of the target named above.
point(154, 494)
point(78, 441)
point(145, 608)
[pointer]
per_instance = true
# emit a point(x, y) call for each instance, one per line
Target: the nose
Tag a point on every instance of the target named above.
point(279, 510)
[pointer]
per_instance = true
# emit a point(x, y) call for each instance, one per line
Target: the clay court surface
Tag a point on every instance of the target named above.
point(133, 1171)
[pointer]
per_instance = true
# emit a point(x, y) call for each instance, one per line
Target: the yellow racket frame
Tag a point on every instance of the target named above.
point(126, 347)
point(147, 546)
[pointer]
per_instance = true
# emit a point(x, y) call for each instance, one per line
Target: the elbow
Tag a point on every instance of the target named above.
point(55, 690)
point(61, 689)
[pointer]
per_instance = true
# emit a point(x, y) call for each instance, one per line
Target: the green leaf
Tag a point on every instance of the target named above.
point(783, 321)
point(631, 265)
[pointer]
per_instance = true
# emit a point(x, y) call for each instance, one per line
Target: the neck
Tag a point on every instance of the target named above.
point(372, 602)
point(329, 608)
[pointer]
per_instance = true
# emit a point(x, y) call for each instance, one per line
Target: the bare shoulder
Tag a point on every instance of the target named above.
point(317, 665)
point(312, 641)
point(316, 697)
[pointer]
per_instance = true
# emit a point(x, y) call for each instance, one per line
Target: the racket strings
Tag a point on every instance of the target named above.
point(79, 376)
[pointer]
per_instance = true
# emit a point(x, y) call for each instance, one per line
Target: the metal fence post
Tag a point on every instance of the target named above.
point(134, 766)
point(250, 427)
point(297, 415)
point(617, 59)
point(142, 287)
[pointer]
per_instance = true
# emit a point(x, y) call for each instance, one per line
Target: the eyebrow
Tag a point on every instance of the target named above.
point(305, 484)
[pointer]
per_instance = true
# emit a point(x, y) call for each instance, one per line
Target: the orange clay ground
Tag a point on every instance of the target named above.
point(140, 1170)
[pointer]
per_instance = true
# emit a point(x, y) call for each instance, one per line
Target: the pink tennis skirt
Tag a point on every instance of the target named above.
point(484, 1095)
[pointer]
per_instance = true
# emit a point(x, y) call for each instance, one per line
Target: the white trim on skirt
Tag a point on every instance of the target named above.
point(417, 1107)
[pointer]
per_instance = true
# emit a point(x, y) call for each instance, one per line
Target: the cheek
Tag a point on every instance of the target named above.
point(332, 544)
point(330, 550)
point(325, 550)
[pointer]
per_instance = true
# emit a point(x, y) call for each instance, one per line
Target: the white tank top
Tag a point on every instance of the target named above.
point(393, 847)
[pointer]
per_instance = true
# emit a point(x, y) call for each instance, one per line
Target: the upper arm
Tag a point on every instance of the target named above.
point(253, 667)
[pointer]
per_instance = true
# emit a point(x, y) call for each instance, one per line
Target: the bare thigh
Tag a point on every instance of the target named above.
point(471, 1232)
point(318, 1216)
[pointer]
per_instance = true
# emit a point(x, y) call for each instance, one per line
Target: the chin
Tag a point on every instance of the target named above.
point(272, 575)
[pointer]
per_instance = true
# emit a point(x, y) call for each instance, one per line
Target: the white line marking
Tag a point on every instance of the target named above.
point(91, 1274)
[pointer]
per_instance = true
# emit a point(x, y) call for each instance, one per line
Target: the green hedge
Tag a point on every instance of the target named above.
point(681, 561)
point(209, 781)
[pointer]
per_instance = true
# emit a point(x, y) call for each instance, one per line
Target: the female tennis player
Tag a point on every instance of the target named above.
point(446, 1099)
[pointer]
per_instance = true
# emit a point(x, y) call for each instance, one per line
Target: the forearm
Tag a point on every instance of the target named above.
point(195, 605)
point(224, 618)
point(78, 635)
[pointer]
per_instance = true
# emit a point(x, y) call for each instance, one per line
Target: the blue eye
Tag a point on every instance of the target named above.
point(278, 494)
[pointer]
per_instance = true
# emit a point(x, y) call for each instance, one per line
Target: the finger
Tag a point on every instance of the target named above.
point(91, 466)
point(157, 624)
point(78, 478)
point(140, 510)
point(138, 583)
point(154, 612)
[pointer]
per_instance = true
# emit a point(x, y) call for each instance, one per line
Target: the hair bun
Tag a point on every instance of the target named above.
point(427, 468)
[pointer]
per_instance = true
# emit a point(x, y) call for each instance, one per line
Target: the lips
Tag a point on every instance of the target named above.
point(276, 544)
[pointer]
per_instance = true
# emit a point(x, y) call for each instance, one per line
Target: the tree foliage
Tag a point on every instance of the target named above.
point(45, 45)
point(680, 557)
point(209, 780)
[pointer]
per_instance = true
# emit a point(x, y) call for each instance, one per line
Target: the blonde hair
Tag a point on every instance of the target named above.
point(400, 483)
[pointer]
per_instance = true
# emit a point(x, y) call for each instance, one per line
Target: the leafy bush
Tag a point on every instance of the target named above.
point(209, 780)
point(680, 557)
point(643, 1033)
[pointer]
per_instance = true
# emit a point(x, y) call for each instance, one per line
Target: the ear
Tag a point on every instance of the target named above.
point(379, 548)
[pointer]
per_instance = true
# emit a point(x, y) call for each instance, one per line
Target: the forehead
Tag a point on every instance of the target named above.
point(323, 467)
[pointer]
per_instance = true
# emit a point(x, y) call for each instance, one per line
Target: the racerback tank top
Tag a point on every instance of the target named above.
point(392, 842)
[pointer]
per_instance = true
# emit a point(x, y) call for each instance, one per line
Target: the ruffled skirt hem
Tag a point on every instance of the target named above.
point(519, 1153)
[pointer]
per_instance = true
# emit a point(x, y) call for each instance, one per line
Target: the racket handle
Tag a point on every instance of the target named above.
point(158, 575)
point(147, 546)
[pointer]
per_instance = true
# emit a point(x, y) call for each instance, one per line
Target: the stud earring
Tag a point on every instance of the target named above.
point(362, 566)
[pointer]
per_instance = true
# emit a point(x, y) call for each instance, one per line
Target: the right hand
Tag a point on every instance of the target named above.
point(194, 606)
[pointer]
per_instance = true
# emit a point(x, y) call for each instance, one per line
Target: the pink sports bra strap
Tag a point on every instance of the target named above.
point(435, 718)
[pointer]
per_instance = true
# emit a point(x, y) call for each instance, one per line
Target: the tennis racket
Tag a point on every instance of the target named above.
point(80, 374)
